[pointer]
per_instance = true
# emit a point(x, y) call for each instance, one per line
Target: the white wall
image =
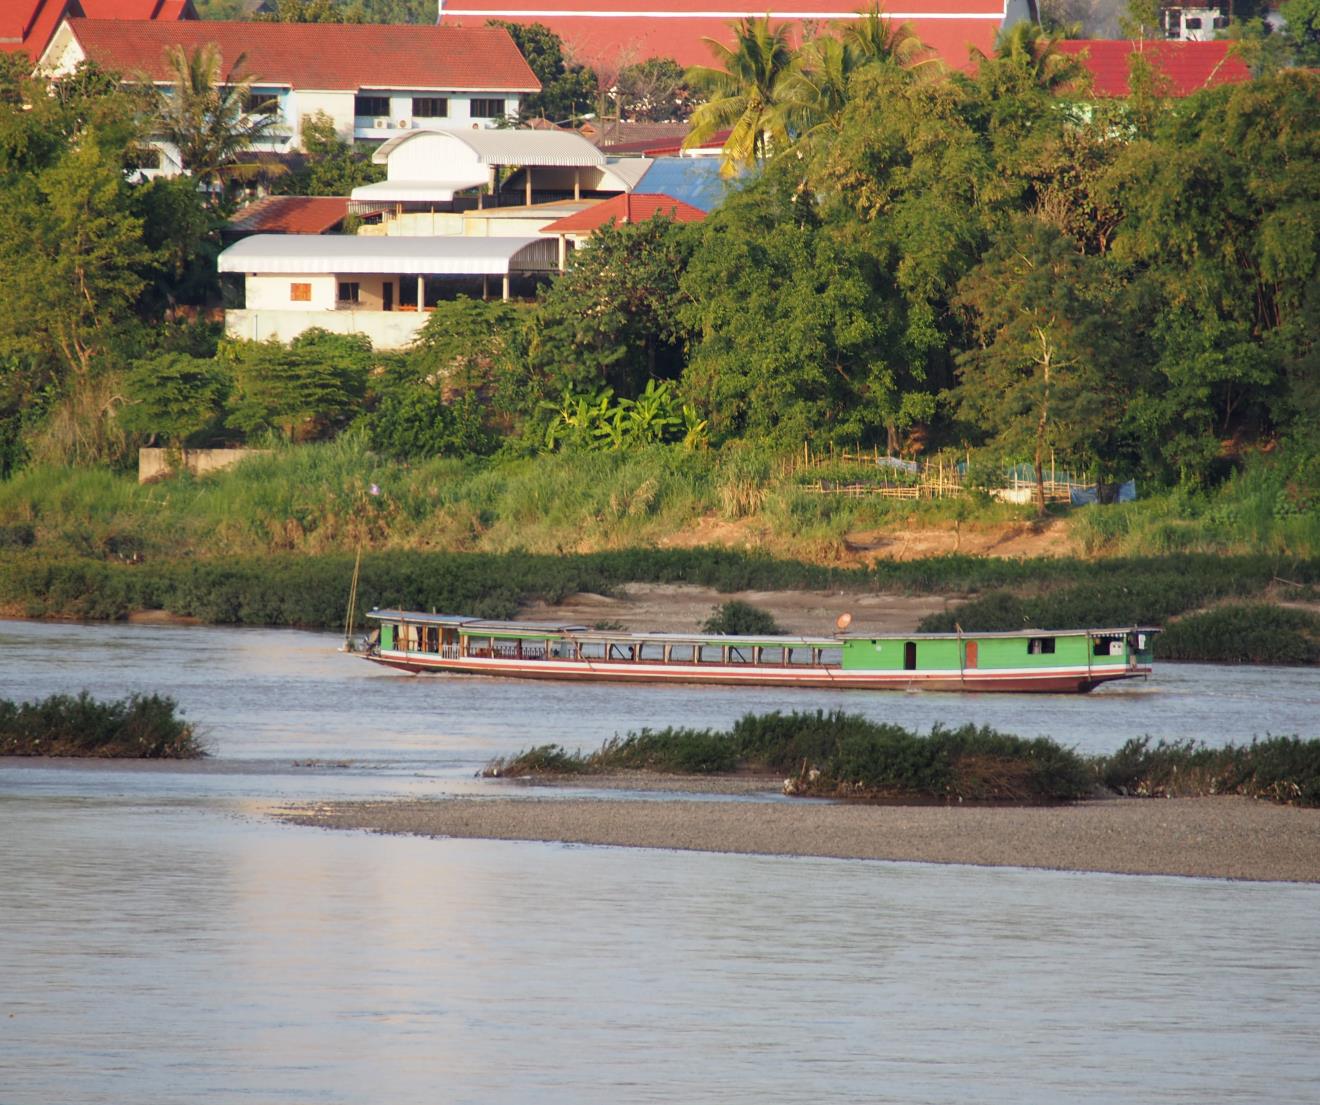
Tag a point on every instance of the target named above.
point(337, 105)
point(272, 292)
point(386, 329)
point(433, 156)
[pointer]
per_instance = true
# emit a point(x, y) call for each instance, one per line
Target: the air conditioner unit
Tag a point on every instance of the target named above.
point(404, 124)
point(380, 124)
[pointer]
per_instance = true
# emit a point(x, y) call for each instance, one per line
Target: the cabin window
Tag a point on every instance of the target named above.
point(621, 652)
point(591, 650)
point(800, 657)
point(651, 651)
point(300, 293)
point(430, 107)
point(1040, 646)
point(349, 291)
point(432, 638)
point(371, 105)
point(910, 656)
point(487, 109)
point(830, 657)
point(742, 654)
point(680, 654)
point(710, 654)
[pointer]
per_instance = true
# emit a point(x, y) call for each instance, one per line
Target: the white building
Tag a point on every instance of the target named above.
point(378, 286)
point(375, 81)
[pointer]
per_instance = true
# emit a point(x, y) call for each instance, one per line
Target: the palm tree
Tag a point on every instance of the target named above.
point(875, 37)
point(816, 89)
point(1028, 54)
point(207, 118)
point(744, 95)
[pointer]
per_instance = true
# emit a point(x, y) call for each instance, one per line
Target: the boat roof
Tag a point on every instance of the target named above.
point(484, 625)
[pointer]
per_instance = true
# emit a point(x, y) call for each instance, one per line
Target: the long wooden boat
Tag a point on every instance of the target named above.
point(1070, 661)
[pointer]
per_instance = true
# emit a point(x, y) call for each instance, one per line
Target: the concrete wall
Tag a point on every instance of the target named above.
point(273, 292)
point(386, 329)
point(155, 463)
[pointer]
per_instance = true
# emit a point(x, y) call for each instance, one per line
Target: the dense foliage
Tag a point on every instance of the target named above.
point(138, 727)
point(839, 755)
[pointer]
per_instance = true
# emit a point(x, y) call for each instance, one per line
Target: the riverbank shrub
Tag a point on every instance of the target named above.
point(737, 617)
point(1281, 769)
point(146, 727)
point(841, 755)
point(1243, 633)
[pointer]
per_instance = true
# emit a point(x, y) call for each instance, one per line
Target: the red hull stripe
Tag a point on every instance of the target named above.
point(1009, 679)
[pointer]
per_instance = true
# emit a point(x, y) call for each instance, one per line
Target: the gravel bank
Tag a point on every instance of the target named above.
point(1235, 838)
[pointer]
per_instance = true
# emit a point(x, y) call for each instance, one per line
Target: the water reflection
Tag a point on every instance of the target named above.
point(178, 954)
point(165, 942)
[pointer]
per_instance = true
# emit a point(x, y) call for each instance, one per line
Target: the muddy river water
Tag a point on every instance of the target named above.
point(162, 940)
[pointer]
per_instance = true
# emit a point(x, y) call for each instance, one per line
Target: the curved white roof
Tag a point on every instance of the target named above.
point(348, 253)
point(414, 191)
point(507, 147)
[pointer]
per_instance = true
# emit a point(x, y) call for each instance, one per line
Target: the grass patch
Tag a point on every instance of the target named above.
point(1243, 633)
point(139, 727)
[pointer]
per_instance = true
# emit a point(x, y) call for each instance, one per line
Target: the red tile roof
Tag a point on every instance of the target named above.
point(29, 25)
point(322, 56)
point(1189, 66)
point(630, 207)
point(607, 34)
point(290, 215)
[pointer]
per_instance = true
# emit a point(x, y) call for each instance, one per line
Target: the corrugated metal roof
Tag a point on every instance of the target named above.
point(348, 253)
point(321, 56)
point(694, 180)
point(1189, 66)
point(507, 147)
point(596, 32)
point(290, 215)
point(631, 207)
point(414, 191)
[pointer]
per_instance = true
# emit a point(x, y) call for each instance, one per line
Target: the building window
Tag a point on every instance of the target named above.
point(260, 103)
point(348, 291)
point(300, 293)
point(1037, 646)
point(371, 105)
point(430, 107)
point(487, 109)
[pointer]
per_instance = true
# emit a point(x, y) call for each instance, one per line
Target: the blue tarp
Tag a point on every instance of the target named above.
point(1081, 496)
point(694, 180)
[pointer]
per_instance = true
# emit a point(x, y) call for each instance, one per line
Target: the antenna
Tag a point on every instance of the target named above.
point(843, 621)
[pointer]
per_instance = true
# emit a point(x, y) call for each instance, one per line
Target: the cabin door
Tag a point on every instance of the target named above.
point(910, 656)
point(971, 654)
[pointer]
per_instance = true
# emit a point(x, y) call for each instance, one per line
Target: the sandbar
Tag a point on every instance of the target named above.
point(1217, 837)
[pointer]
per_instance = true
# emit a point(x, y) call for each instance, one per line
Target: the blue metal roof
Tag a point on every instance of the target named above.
point(694, 180)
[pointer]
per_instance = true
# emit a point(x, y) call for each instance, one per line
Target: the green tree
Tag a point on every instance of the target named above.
point(206, 113)
point(334, 167)
point(307, 390)
point(175, 397)
point(655, 90)
point(312, 11)
point(796, 334)
point(1302, 19)
point(567, 91)
point(744, 94)
point(1034, 378)
point(612, 319)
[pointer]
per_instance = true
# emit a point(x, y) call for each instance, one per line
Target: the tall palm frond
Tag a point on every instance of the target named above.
point(743, 94)
point(209, 117)
point(1028, 54)
point(876, 37)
